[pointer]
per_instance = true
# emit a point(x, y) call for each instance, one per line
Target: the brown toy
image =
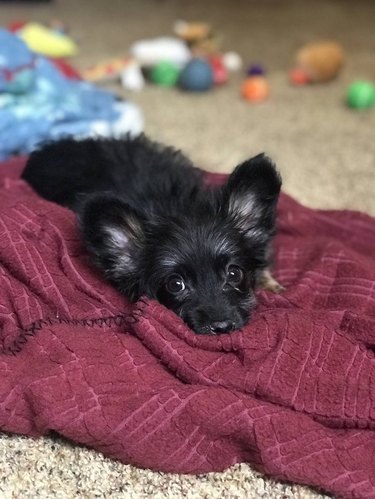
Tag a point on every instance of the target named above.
point(319, 62)
point(192, 32)
point(198, 36)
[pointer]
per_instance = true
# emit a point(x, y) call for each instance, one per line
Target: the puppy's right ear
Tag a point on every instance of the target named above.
point(251, 194)
point(113, 232)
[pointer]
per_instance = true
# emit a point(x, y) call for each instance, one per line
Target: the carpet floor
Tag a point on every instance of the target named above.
point(325, 152)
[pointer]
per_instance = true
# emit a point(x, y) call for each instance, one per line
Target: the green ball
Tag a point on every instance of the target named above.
point(165, 74)
point(361, 95)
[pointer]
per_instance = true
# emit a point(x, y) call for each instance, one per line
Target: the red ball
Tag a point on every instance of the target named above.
point(219, 70)
point(298, 76)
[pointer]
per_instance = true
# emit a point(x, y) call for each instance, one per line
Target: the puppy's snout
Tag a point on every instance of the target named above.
point(219, 327)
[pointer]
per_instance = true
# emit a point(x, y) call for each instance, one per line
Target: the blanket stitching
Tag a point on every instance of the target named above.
point(31, 330)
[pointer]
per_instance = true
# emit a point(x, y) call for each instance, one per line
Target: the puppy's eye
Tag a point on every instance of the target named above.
point(234, 275)
point(175, 284)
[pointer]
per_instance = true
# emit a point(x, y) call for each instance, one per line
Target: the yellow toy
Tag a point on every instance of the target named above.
point(47, 42)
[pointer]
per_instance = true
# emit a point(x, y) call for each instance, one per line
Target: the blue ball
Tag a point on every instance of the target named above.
point(197, 76)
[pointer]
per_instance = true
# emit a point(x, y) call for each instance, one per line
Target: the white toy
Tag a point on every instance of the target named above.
point(150, 52)
point(132, 77)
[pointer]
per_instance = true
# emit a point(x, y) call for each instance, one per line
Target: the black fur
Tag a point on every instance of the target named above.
point(155, 230)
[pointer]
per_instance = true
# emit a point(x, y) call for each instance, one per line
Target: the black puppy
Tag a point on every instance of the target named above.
point(154, 228)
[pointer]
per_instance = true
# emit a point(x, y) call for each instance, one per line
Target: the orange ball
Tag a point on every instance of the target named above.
point(255, 89)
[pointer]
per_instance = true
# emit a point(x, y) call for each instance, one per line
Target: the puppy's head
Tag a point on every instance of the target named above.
point(202, 263)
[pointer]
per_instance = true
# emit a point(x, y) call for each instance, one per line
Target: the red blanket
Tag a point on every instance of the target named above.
point(293, 394)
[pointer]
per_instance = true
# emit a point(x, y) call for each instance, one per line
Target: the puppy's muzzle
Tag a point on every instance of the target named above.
point(220, 327)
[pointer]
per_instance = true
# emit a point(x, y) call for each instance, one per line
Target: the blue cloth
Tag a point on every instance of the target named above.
point(38, 103)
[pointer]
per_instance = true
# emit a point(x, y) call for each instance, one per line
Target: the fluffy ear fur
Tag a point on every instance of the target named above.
point(251, 193)
point(113, 232)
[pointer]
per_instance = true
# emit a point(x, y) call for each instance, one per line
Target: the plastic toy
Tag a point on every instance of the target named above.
point(232, 61)
point(198, 36)
point(132, 77)
point(192, 32)
point(106, 71)
point(256, 70)
point(298, 77)
point(197, 76)
point(47, 42)
point(150, 52)
point(220, 72)
point(255, 89)
point(165, 74)
point(320, 62)
point(361, 95)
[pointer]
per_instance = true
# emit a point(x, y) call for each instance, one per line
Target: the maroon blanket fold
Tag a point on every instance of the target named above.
point(293, 393)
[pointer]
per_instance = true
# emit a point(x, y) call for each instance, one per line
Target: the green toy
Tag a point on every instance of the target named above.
point(361, 95)
point(165, 74)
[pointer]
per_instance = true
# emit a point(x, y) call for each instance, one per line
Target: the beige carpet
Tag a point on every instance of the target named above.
point(325, 152)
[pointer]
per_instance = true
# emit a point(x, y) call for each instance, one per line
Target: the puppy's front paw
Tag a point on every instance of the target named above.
point(268, 283)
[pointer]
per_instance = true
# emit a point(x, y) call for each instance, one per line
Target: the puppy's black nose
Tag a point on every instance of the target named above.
point(220, 327)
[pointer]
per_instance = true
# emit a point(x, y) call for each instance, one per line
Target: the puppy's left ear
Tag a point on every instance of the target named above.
point(251, 193)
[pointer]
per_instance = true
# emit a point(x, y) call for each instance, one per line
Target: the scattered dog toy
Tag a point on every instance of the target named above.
point(255, 89)
point(197, 76)
point(256, 70)
point(151, 52)
point(132, 77)
point(47, 42)
point(220, 72)
point(192, 60)
point(298, 77)
point(192, 32)
point(318, 63)
point(165, 74)
point(232, 61)
point(361, 95)
point(198, 36)
point(106, 71)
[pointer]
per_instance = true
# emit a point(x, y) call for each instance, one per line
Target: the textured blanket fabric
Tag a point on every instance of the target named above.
point(293, 394)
